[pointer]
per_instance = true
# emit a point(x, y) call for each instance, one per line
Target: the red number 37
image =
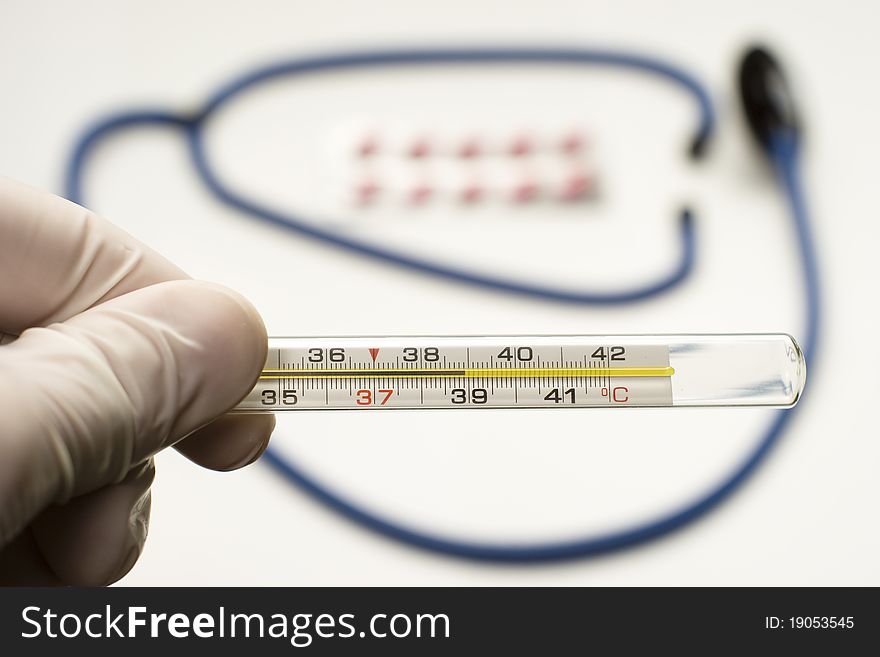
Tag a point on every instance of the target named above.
point(365, 397)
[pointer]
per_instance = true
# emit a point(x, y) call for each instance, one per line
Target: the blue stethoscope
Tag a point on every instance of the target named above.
point(769, 109)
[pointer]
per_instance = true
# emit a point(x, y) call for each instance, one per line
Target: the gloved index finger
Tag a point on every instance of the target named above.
point(58, 259)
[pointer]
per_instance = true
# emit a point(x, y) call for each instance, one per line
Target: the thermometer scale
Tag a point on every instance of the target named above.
point(568, 371)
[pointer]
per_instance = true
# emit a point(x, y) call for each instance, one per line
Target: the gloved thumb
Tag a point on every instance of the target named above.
point(87, 399)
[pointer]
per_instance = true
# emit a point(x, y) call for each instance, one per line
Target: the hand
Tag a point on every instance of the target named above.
point(109, 354)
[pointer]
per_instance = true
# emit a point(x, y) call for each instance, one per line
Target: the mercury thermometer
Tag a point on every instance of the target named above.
point(528, 371)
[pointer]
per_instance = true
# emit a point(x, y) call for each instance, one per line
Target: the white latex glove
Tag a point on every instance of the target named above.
point(110, 354)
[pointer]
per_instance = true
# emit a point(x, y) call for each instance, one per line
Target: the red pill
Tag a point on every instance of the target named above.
point(576, 186)
point(470, 149)
point(472, 193)
point(521, 146)
point(420, 148)
point(525, 191)
point(420, 194)
point(368, 147)
point(573, 143)
point(366, 192)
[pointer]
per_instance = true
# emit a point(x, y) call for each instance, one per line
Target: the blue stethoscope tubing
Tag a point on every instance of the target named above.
point(784, 154)
point(194, 124)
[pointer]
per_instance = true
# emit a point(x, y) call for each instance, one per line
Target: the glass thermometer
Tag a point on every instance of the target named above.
point(528, 371)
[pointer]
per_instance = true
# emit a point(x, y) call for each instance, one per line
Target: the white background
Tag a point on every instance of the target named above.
point(809, 516)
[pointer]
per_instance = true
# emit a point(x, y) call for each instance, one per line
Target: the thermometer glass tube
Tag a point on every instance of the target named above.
point(528, 371)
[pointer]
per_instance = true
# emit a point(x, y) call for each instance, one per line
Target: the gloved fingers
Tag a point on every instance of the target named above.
point(230, 442)
point(85, 399)
point(22, 563)
point(58, 259)
point(96, 538)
